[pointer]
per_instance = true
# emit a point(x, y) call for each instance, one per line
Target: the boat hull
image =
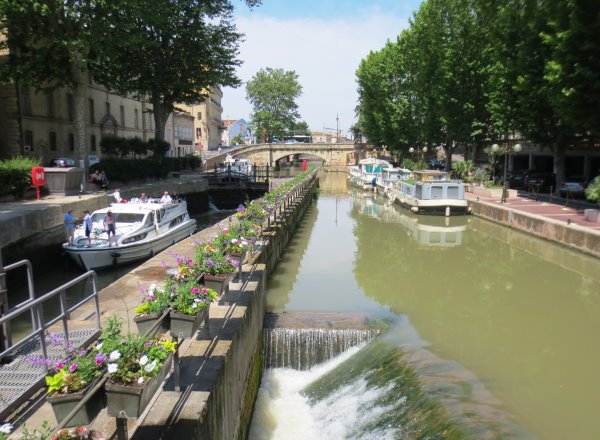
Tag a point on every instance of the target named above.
point(97, 258)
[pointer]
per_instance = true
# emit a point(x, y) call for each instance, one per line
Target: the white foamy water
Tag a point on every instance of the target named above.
point(281, 412)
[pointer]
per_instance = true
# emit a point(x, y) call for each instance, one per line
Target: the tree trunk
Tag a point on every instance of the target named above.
point(559, 148)
point(79, 73)
point(161, 114)
point(448, 149)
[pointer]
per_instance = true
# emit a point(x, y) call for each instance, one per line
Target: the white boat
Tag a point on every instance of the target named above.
point(235, 169)
point(364, 175)
point(431, 192)
point(390, 177)
point(142, 230)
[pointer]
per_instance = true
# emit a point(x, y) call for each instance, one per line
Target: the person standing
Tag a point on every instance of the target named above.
point(69, 220)
point(109, 225)
point(87, 221)
point(166, 198)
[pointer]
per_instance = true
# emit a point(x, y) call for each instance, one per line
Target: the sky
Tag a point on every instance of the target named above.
point(323, 41)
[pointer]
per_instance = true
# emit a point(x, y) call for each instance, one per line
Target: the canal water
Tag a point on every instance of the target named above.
point(496, 326)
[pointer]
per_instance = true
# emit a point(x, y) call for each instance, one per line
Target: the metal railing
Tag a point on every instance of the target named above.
point(6, 328)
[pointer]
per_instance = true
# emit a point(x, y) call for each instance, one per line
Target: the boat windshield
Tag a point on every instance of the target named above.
point(120, 217)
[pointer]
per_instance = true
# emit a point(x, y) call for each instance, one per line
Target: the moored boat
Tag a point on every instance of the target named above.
point(142, 229)
point(431, 192)
point(364, 175)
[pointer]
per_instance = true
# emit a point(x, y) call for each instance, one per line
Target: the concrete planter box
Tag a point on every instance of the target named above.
point(493, 193)
point(65, 181)
point(186, 326)
point(144, 323)
point(134, 399)
point(219, 283)
point(63, 404)
point(592, 215)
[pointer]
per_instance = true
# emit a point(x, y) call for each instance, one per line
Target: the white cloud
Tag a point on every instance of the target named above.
point(324, 53)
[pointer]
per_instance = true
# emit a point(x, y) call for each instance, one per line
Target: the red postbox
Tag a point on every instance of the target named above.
point(38, 179)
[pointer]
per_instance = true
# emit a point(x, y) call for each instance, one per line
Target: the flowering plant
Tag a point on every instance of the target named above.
point(74, 372)
point(191, 299)
point(132, 358)
point(79, 433)
point(186, 269)
point(212, 259)
point(156, 299)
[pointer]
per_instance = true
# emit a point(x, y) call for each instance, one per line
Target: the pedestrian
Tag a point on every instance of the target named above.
point(166, 198)
point(219, 149)
point(69, 220)
point(87, 221)
point(109, 226)
point(143, 198)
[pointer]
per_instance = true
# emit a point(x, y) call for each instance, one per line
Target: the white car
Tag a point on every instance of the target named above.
point(574, 186)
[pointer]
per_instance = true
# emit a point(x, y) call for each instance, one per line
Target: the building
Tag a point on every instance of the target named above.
point(208, 125)
point(40, 124)
point(328, 137)
point(179, 132)
point(233, 128)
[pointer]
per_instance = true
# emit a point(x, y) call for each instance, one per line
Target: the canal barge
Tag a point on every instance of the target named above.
point(364, 175)
point(431, 192)
point(142, 229)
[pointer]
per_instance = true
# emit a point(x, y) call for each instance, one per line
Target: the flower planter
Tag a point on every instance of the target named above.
point(144, 323)
point(63, 404)
point(219, 283)
point(186, 326)
point(133, 399)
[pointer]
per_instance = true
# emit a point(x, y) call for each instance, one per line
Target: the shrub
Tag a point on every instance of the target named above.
point(15, 175)
point(592, 192)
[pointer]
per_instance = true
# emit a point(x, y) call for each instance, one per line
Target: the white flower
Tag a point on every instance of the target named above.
point(194, 305)
point(141, 379)
point(152, 288)
point(148, 368)
point(99, 346)
point(112, 368)
point(143, 360)
point(114, 355)
point(244, 243)
point(6, 428)
point(234, 241)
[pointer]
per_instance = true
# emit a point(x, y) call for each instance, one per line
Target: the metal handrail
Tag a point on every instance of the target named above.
point(31, 290)
point(35, 306)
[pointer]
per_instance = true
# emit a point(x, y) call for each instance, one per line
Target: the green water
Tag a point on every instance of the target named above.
point(485, 305)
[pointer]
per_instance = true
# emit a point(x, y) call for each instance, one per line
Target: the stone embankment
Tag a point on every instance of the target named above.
point(221, 368)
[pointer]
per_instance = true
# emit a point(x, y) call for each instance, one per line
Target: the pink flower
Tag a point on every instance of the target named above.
point(59, 366)
point(72, 368)
point(195, 290)
point(147, 344)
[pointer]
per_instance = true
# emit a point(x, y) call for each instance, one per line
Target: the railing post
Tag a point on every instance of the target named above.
point(4, 330)
point(122, 426)
point(176, 367)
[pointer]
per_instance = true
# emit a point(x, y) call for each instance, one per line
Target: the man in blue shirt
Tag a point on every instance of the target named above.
point(69, 220)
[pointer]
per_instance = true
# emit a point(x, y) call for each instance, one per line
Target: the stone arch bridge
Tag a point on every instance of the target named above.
point(333, 155)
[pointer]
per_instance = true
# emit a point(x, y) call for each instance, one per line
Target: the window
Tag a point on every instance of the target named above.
point(122, 111)
point(136, 121)
point(93, 142)
point(92, 117)
point(52, 141)
point(69, 106)
point(107, 108)
point(25, 102)
point(28, 139)
point(50, 99)
point(199, 116)
point(71, 142)
point(198, 133)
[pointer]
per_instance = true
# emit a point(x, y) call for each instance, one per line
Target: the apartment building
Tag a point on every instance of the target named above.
point(208, 124)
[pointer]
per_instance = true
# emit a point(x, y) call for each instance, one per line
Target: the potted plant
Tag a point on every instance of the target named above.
point(217, 266)
point(190, 308)
point(78, 433)
point(592, 192)
point(137, 366)
point(154, 303)
point(73, 378)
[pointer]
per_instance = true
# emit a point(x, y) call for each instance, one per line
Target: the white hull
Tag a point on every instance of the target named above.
point(96, 258)
point(455, 206)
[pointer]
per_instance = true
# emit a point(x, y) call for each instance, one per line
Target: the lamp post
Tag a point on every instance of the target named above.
point(507, 150)
point(419, 151)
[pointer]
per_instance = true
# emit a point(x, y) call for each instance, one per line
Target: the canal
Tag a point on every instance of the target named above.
point(497, 326)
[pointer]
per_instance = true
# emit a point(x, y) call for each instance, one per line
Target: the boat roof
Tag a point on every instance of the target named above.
point(427, 175)
point(374, 161)
point(135, 207)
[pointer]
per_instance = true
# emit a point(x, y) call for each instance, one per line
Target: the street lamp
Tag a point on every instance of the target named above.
point(422, 150)
point(508, 149)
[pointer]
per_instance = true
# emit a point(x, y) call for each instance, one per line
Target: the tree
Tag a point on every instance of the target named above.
point(172, 51)
point(53, 44)
point(273, 93)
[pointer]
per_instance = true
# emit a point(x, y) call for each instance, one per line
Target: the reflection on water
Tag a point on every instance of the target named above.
point(516, 311)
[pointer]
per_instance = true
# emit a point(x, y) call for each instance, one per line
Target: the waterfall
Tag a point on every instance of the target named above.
point(211, 205)
point(301, 349)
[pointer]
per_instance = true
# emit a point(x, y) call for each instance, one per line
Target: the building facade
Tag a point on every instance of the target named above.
point(233, 128)
point(179, 132)
point(208, 125)
point(40, 124)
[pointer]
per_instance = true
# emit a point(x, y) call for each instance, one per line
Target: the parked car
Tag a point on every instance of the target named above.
point(62, 162)
point(436, 164)
point(275, 141)
point(540, 182)
point(517, 179)
point(574, 186)
point(93, 159)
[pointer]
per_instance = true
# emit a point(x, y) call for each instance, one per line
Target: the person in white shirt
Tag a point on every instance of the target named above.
point(166, 198)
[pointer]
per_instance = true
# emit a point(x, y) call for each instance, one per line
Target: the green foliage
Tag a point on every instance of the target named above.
point(156, 300)
point(592, 192)
point(238, 140)
point(158, 147)
point(462, 168)
point(74, 374)
point(15, 175)
point(408, 164)
point(43, 433)
point(191, 299)
point(273, 94)
point(125, 170)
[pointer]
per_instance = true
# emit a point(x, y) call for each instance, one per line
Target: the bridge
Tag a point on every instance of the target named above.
point(333, 155)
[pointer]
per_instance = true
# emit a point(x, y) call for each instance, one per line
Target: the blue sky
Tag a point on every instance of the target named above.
point(323, 42)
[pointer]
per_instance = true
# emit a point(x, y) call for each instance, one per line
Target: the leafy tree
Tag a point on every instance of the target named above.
point(172, 51)
point(54, 44)
point(273, 94)
point(300, 128)
point(238, 140)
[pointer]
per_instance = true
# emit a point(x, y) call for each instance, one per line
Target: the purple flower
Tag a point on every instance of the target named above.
point(147, 344)
point(210, 262)
point(73, 368)
point(59, 366)
point(100, 358)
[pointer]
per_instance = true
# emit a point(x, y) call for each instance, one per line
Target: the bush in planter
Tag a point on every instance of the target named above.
point(156, 299)
point(592, 192)
point(15, 175)
point(191, 299)
point(212, 260)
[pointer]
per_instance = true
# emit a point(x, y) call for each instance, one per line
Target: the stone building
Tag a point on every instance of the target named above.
point(208, 124)
point(179, 132)
point(40, 124)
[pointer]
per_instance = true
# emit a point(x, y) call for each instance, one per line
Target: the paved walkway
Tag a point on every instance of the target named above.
point(570, 212)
